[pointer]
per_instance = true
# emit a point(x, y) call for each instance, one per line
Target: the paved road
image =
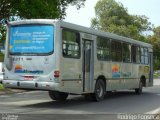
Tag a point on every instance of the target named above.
point(39, 103)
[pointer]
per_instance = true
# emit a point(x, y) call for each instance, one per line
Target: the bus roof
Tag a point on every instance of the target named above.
point(103, 34)
point(82, 29)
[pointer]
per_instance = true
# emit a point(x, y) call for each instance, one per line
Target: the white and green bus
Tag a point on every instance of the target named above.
point(64, 58)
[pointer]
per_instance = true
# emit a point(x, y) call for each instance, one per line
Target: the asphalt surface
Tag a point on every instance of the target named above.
point(37, 105)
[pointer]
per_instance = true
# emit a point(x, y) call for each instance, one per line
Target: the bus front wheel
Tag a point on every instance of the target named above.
point(100, 91)
point(55, 95)
point(138, 91)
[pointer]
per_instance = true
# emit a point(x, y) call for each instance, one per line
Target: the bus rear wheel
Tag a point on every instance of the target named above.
point(138, 91)
point(100, 91)
point(55, 95)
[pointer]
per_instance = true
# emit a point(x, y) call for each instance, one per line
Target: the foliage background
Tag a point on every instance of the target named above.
point(111, 16)
point(12, 10)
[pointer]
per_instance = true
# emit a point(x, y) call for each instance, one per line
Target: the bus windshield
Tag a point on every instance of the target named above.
point(31, 39)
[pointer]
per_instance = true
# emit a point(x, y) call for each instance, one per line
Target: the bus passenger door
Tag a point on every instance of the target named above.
point(87, 62)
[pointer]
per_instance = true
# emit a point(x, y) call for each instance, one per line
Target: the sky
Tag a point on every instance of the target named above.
point(149, 8)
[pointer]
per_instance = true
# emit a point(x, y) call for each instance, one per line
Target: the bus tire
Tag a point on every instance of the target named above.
point(100, 91)
point(55, 95)
point(138, 91)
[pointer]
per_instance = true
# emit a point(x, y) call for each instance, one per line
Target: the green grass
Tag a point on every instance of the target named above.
point(1, 87)
point(1, 57)
point(156, 75)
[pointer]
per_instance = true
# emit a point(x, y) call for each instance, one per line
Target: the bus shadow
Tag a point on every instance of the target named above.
point(71, 101)
point(113, 102)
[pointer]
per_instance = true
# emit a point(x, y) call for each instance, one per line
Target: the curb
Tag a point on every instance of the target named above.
point(155, 112)
point(11, 91)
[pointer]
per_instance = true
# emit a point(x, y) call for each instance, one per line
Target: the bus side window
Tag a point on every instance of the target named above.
point(126, 52)
point(146, 56)
point(70, 44)
point(136, 54)
point(142, 55)
point(103, 48)
point(116, 51)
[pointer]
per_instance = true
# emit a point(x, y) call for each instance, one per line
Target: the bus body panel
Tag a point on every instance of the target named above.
point(39, 71)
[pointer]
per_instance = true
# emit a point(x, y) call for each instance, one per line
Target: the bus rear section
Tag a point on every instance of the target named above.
point(64, 58)
point(29, 56)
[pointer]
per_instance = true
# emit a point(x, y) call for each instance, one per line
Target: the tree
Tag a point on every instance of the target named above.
point(155, 41)
point(36, 8)
point(113, 17)
point(22, 9)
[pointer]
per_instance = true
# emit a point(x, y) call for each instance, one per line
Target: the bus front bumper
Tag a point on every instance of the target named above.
point(30, 85)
